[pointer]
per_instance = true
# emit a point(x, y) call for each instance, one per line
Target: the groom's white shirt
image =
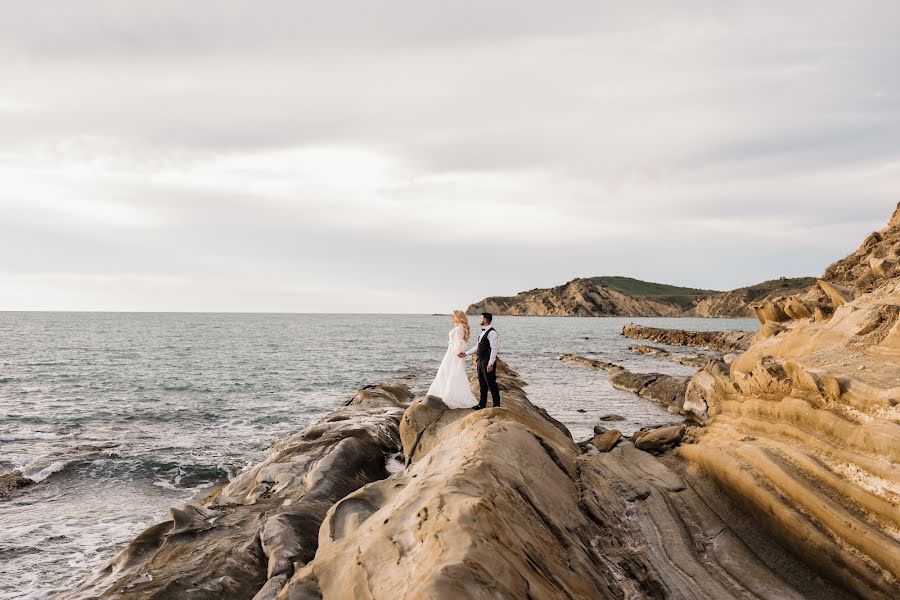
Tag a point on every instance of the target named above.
point(492, 340)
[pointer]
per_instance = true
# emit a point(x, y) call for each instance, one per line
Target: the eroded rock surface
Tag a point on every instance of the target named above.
point(501, 503)
point(246, 539)
point(804, 427)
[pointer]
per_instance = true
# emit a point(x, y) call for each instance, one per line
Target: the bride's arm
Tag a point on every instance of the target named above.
point(459, 344)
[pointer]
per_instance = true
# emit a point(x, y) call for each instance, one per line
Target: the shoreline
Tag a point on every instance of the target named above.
point(446, 451)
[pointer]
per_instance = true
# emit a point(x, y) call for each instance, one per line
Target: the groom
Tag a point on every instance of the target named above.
point(487, 357)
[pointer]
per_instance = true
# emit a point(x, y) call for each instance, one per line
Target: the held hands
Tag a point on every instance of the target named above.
point(461, 355)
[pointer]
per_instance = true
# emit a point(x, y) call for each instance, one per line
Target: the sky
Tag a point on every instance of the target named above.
point(414, 157)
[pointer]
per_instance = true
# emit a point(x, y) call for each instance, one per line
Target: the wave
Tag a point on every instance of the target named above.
point(29, 435)
point(96, 462)
point(38, 475)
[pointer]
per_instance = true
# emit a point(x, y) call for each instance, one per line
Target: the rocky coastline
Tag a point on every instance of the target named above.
point(499, 503)
point(778, 478)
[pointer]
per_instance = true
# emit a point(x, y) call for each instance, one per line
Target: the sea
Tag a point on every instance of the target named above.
point(119, 416)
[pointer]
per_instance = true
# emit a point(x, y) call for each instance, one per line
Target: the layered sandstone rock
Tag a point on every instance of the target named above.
point(245, 540)
point(804, 427)
point(501, 503)
point(722, 341)
point(740, 303)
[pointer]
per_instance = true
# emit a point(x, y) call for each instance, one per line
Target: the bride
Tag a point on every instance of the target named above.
point(451, 383)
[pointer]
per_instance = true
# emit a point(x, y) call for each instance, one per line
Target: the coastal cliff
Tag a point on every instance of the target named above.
point(626, 297)
point(783, 483)
point(803, 429)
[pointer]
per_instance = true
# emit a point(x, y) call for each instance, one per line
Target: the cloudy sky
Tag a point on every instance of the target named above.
point(416, 156)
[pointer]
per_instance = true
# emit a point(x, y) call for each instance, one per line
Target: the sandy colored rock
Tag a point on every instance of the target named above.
point(803, 429)
point(740, 303)
point(607, 440)
point(839, 295)
point(504, 505)
point(658, 440)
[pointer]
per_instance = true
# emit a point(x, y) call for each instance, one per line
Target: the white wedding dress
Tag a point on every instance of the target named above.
point(451, 383)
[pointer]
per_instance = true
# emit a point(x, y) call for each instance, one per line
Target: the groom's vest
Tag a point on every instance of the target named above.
point(484, 346)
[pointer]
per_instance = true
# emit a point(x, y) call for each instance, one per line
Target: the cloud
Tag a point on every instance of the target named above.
point(409, 156)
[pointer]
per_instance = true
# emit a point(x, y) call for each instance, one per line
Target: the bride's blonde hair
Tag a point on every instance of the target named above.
point(460, 318)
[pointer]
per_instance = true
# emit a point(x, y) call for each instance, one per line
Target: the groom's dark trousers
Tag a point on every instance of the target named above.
point(488, 381)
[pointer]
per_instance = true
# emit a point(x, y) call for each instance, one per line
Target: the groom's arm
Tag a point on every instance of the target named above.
point(471, 351)
point(492, 338)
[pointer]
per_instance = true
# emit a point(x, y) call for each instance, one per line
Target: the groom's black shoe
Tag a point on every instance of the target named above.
point(478, 407)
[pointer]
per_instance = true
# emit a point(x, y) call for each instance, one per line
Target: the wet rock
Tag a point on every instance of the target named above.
point(612, 417)
point(12, 482)
point(651, 350)
point(722, 341)
point(632, 382)
point(246, 539)
point(667, 390)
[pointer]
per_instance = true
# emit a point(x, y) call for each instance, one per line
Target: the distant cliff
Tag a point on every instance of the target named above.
point(736, 303)
point(627, 297)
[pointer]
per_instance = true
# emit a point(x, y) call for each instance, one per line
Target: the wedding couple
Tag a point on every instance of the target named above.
point(451, 384)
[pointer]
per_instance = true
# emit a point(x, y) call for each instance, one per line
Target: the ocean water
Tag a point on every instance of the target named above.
point(122, 415)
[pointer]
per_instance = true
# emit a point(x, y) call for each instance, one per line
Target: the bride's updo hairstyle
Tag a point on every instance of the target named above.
point(460, 318)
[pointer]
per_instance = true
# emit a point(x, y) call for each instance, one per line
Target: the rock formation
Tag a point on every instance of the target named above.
point(594, 297)
point(501, 503)
point(246, 539)
point(497, 503)
point(11, 482)
point(739, 303)
point(627, 297)
point(667, 390)
point(722, 341)
point(803, 429)
point(651, 350)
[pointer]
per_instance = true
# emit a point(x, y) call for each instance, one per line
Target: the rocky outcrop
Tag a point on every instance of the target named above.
point(627, 297)
point(740, 303)
point(501, 503)
point(651, 350)
point(667, 390)
point(803, 429)
point(593, 297)
point(722, 341)
point(246, 539)
point(874, 262)
point(12, 482)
